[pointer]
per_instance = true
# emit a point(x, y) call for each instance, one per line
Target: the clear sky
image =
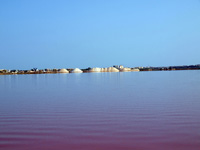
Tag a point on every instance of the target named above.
point(98, 33)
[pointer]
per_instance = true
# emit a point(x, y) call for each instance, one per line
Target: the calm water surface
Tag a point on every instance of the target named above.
point(101, 111)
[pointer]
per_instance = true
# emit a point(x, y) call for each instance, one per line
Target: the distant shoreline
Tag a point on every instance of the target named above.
point(90, 70)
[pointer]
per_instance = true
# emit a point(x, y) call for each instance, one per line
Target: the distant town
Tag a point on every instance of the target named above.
point(115, 68)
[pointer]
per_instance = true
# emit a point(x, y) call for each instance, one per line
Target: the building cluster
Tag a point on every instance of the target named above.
point(115, 68)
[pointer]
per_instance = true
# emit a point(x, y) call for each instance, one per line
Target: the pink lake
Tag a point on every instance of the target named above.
point(101, 111)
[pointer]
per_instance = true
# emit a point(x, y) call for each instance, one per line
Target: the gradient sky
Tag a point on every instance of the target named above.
point(98, 33)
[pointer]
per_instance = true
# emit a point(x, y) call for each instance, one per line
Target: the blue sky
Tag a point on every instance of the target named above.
point(98, 33)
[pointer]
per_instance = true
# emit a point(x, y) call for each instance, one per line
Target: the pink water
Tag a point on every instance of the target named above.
point(101, 111)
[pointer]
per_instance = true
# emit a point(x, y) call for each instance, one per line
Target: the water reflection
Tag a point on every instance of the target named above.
point(129, 110)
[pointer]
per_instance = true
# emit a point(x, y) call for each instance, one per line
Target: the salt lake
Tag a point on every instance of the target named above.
point(101, 111)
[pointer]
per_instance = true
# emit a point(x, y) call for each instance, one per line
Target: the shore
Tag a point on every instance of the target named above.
point(89, 70)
